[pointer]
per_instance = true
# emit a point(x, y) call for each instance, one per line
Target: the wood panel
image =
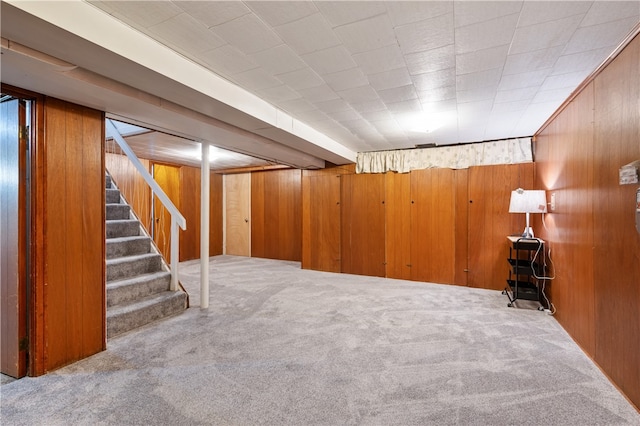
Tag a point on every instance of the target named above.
point(617, 243)
point(132, 185)
point(363, 224)
point(276, 213)
point(237, 214)
point(398, 225)
point(596, 249)
point(321, 221)
point(461, 183)
point(168, 178)
point(433, 225)
point(215, 214)
point(490, 221)
point(74, 231)
point(190, 188)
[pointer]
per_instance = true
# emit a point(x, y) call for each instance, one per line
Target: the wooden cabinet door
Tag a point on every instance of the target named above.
point(363, 224)
point(490, 221)
point(433, 219)
point(398, 225)
point(321, 227)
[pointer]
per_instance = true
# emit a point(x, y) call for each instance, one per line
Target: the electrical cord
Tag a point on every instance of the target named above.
point(552, 308)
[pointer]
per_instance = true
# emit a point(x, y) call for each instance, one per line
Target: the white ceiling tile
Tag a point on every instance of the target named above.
point(248, 33)
point(388, 79)
point(227, 60)
point(478, 79)
point(330, 60)
point(343, 12)
point(481, 60)
point(476, 94)
point(483, 35)
point(256, 79)
point(281, 12)
point(547, 96)
point(309, 34)
point(440, 106)
point(530, 61)
point(473, 12)
point(278, 60)
point(500, 107)
point(300, 79)
point(425, 35)
point(383, 59)
point(588, 60)
point(212, 13)
point(377, 115)
point(561, 81)
point(516, 95)
point(344, 115)
point(406, 12)
point(278, 94)
point(359, 94)
point(346, 79)
point(294, 106)
point(438, 94)
point(610, 11)
point(411, 105)
point(310, 116)
point(140, 14)
point(602, 35)
point(544, 35)
point(369, 106)
point(334, 105)
point(398, 94)
point(186, 35)
point(536, 12)
point(367, 34)
point(431, 60)
point(318, 93)
point(525, 79)
point(434, 80)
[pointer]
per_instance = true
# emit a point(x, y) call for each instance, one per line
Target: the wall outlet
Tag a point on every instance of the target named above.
point(553, 202)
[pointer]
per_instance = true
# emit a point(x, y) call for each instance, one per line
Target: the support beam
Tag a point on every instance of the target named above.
point(205, 175)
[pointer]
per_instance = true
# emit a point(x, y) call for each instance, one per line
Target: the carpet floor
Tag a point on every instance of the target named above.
point(284, 346)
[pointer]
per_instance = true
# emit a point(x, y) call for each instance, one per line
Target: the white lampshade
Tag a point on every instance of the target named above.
point(528, 201)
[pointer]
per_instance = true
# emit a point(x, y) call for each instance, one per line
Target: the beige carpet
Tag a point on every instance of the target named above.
point(284, 346)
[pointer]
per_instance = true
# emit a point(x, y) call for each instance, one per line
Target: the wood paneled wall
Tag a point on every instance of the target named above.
point(276, 215)
point(596, 249)
point(69, 229)
point(132, 186)
point(168, 178)
point(398, 225)
point(215, 214)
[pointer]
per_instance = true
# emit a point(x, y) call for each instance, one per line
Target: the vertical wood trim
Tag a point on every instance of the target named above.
point(398, 225)
point(461, 213)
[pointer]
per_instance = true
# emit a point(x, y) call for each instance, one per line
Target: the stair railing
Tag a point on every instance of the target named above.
point(176, 217)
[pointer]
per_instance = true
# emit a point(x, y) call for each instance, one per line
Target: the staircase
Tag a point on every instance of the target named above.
point(137, 279)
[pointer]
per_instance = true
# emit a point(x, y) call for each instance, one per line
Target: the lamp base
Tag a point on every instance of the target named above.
point(528, 232)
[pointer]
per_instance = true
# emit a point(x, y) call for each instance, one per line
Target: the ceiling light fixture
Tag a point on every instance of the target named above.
point(426, 122)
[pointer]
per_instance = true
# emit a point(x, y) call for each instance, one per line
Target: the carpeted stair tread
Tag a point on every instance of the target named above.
point(107, 181)
point(116, 211)
point(122, 228)
point(129, 266)
point(128, 246)
point(128, 289)
point(125, 317)
point(112, 196)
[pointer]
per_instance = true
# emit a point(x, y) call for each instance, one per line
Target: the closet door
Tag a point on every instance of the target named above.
point(237, 209)
point(363, 224)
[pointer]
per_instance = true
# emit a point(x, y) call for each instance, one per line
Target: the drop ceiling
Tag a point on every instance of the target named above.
point(332, 78)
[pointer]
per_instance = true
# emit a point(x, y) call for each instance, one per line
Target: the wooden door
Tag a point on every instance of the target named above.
point(398, 225)
point(168, 177)
point(490, 221)
point(12, 238)
point(237, 208)
point(433, 220)
point(321, 221)
point(363, 224)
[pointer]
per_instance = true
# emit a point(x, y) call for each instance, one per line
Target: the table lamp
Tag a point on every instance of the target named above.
point(528, 201)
